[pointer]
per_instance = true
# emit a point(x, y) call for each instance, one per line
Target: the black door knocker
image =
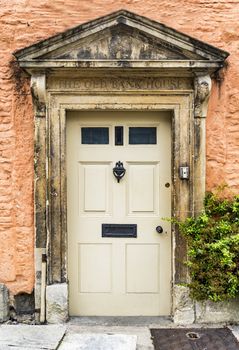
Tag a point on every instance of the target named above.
point(119, 171)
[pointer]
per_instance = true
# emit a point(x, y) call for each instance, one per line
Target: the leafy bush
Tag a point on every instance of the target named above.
point(213, 249)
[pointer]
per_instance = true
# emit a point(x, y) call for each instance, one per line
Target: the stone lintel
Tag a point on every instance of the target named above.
point(121, 84)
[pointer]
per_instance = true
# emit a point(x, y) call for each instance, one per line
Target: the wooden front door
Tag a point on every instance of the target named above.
point(118, 264)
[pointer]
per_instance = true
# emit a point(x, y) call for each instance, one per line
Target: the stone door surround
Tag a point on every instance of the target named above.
point(118, 62)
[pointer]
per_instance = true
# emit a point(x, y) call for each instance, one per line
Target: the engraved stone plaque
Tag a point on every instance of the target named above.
point(119, 84)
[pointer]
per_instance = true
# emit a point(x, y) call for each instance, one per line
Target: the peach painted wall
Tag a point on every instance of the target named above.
point(24, 22)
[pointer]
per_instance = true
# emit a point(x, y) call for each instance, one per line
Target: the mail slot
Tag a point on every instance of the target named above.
point(119, 230)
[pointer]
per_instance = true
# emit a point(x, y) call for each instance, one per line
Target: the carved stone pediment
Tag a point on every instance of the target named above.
point(120, 42)
point(121, 39)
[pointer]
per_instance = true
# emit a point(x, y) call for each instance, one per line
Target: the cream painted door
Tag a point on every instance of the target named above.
point(123, 276)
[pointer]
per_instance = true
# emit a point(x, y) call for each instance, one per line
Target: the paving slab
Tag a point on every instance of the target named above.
point(96, 341)
point(144, 341)
point(27, 337)
point(10, 347)
point(235, 331)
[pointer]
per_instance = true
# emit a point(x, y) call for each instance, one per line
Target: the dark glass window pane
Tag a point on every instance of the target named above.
point(119, 136)
point(95, 136)
point(142, 136)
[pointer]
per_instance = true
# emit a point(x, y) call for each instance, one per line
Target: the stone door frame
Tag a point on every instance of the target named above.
point(134, 59)
point(53, 97)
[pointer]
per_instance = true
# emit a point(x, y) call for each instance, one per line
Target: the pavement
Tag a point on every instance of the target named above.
point(89, 333)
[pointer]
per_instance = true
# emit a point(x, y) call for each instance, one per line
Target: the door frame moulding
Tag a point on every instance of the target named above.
point(188, 148)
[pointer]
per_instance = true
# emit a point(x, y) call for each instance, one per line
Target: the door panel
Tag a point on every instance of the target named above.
point(108, 275)
point(145, 258)
point(90, 256)
point(94, 179)
point(143, 185)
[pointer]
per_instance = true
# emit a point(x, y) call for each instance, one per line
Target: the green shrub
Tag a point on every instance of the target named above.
point(213, 249)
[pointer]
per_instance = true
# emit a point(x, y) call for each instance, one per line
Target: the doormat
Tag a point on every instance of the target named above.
point(194, 339)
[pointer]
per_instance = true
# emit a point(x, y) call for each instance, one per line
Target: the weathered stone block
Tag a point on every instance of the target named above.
point(184, 311)
point(210, 312)
point(57, 303)
point(4, 303)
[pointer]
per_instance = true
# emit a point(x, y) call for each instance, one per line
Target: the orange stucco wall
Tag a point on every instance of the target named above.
point(24, 22)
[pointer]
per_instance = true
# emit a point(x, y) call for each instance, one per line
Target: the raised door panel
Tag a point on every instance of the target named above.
point(142, 268)
point(143, 188)
point(94, 187)
point(94, 268)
